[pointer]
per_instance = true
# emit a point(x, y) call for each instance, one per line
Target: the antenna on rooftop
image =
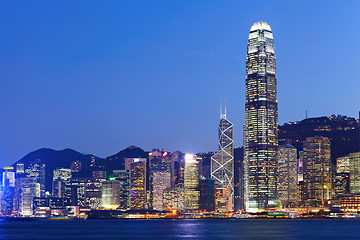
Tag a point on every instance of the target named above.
point(225, 108)
point(220, 108)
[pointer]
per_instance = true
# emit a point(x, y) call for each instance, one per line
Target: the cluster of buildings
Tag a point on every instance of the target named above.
point(163, 182)
point(267, 176)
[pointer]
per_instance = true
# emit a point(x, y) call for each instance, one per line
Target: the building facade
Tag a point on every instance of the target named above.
point(342, 177)
point(191, 182)
point(222, 162)
point(287, 174)
point(354, 172)
point(317, 184)
point(138, 185)
point(261, 120)
point(207, 194)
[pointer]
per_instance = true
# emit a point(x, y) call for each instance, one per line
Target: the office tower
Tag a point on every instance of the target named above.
point(300, 177)
point(29, 189)
point(75, 191)
point(60, 178)
point(123, 177)
point(111, 193)
point(93, 193)
point(343, 164)
point(239, 179)
point(179, 168)
point(138, 185)
point(205, 164)
point(222, 162)
point(160, 181)
point(174, 167)
point(342, 176)
point(36, 170)
point(20, 168)
point(173, 199)
point(7, 191)
point(354, 172)
point(317, 171)
point(261, 120)
point(287, 174)
point(159, 178)
point(129, 161)
point(223, 199)
point(207, 194)
point(191, 182)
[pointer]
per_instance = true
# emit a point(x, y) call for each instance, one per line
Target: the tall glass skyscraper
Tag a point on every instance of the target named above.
point(222, 162)
point(261, 120)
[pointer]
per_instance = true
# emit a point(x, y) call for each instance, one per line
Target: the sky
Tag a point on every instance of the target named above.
point(99, 76)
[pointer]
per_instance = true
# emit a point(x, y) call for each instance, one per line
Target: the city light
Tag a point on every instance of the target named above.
point(190, 158)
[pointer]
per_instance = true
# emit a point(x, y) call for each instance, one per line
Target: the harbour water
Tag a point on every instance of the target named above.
point(303, 229)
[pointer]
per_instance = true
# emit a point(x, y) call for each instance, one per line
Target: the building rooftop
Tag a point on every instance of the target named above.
point(259, 26)
point(286, 146)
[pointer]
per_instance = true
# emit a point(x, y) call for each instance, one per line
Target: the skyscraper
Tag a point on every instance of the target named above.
point(287, 174)
point(222, 162)
point(207, 194)
point(261, 120)
point(317, 171)
point(138, 185)
point(354, 173)
point(159, 178)
point(342, 176)
point(191, 182)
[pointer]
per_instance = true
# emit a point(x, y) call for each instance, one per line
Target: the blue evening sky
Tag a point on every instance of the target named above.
point(99, 76)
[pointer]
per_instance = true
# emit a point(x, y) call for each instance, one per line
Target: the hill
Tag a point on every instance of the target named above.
point(54, 159)
point(343, 132)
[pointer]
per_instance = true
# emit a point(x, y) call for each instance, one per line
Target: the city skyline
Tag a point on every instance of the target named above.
point(66, 79)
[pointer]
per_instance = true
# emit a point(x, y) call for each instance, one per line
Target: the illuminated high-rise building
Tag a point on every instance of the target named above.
point(29, 189)
point(36, 169)
point(60, 178)
point(287, 174)
point(74, 190)
point(355, 173)
point(138, 185)
point(342, 176)
point(20, 168)
point(111, 193)
point(173, 199)
point(261, 120)
point(160, 181)
point(191, 182)
point(223, 200)
point(222, 162)
point(159, 178)
point(317, 185)
point(93, 193)
point(123, 177)
point(343, 164)
point(7, 191)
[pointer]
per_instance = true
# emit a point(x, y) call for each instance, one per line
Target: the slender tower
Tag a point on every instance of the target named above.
point(261, 120)
point(222, 162)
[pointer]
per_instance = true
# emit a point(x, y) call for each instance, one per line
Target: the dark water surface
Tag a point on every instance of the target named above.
point(303, 229)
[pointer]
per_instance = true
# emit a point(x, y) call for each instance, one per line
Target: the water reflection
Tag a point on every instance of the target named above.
point(189, 228)
point(2, 221)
